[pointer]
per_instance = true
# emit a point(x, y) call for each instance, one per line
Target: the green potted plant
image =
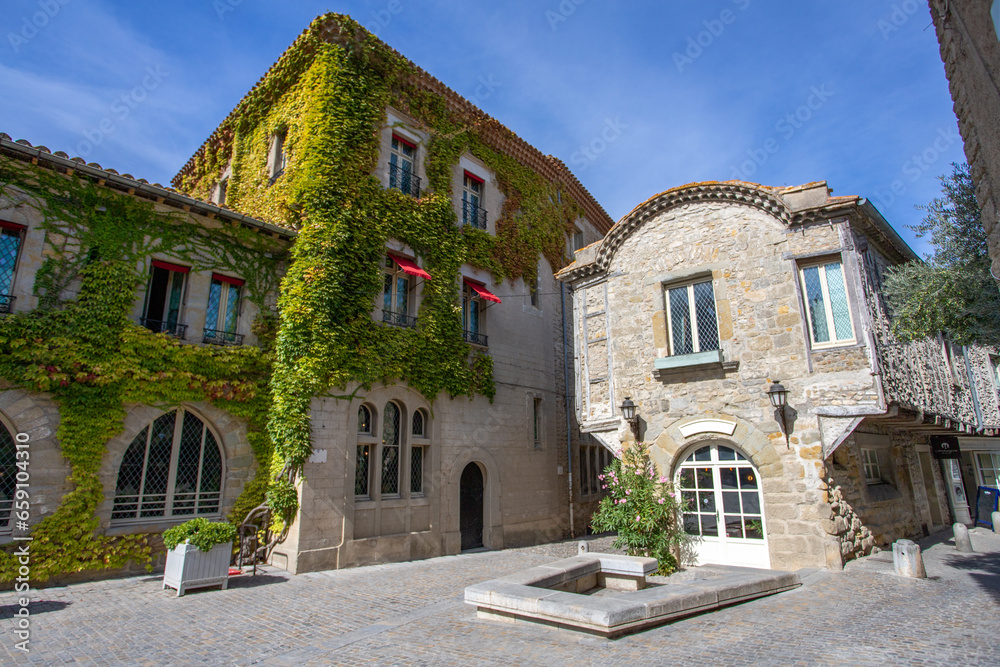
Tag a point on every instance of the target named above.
point(198, 554)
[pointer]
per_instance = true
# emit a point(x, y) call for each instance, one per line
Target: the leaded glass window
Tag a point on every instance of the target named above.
point(223, 309)
point(418, 424)
point(361, 471)
point(364, 420)
point(692, 323)
point(390, 450)
point(10, 244)
point(8, 474)
point(173, 467)
point(417, 470)
point(827, 308)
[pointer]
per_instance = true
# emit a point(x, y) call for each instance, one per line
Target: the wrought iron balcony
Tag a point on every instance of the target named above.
point(399, 319)
point(475, 338)
point(216, 337)
point(6, 303)
point(164, 327)
point(473, 215)
point(404, 181)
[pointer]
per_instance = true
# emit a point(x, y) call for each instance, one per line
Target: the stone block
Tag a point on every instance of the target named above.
point(962, 541)
point(907, 561)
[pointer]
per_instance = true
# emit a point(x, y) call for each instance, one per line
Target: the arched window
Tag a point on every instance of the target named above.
point(419, 424)
point(8, 474)
point(172, 468)
point(364, 420)
point(390, 449)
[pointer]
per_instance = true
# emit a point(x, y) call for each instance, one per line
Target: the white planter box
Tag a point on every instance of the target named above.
point(189, 567)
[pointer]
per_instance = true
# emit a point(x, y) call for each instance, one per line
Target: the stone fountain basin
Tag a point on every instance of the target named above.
point(622, 598)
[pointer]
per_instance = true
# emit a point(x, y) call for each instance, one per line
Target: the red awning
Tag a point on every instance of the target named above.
point(482, 291)
point(227, 279)
point(160, 264)
point(12, 226)
point(409, 266)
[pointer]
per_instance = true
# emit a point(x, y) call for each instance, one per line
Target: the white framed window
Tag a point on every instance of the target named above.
point(223, 310)
point(8, 474)
point(987, 469)
point(11, 239)
point(161, 312)
point(402, 166)
point(870, 462)
point(692, 324)
point(172, 468)
point(827, 309)
point(396, 295)
point(473, 212)
point(995, 368)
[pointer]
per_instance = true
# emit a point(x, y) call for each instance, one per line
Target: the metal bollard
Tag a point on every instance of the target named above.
point(962, 540)
point(906, 559)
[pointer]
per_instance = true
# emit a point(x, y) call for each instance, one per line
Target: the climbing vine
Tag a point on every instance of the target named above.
point(327, 98)
point(87, 353)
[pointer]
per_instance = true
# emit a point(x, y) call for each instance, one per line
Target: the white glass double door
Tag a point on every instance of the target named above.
point(724, 504)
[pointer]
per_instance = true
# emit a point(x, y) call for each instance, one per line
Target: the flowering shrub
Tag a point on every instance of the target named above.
point(643, 508)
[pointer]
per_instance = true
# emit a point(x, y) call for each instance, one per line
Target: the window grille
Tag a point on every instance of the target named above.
point(873, 472)
point(364, 420)
point(417, 470)
point(8, 474)
point(473, 212)
point(402, 172)
point(418, 423)
point(361, 471)
point(693, 325)
point(10, 244)
point(390, 450)
point(827, 308)
point(172, 468)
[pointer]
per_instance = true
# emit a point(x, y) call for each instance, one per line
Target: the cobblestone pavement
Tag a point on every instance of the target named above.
point(413, 614)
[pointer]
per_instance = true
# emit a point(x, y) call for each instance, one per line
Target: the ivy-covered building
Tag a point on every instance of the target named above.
point(404, 393)
point(134, 328)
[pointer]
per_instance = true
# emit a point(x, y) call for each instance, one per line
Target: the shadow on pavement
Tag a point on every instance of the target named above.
point(983, 568)
point(36, 607)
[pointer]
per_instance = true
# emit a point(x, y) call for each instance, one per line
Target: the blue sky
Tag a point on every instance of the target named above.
point(636, 97)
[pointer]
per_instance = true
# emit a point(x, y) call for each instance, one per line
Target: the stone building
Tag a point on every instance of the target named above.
point(431, 383)
point(969, 34)
point(706, 295)
point(166, 462)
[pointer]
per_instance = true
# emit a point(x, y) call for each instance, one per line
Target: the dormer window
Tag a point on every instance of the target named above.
point(473, 212)
point(402, 166)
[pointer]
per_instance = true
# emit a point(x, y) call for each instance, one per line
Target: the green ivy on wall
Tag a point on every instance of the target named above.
point(93, 360)
point(329, 100)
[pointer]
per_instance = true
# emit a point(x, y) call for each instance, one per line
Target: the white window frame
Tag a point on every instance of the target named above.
point(469, 296)
point(169, 498)
point(391, 268)
point(468, 193)
point(225, 291)
point(994, 458)
point(278, 158)
point(692, 314)
point(995, 368)
point(872, 465)
point(401, 157)
point(827, 305)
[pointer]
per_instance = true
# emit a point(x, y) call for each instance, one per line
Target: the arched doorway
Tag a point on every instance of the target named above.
point(471, 507)
point(721, 489)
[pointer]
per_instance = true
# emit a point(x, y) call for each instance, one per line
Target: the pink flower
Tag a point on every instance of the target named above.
point(637, 517)
point(604, 486)
point(628, 492)
point(662, 480)
point(661, 501)
point(600, 477)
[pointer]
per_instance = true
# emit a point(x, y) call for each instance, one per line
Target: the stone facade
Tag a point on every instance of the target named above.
point(752, 245)
point(36, 415)
point(970, 48)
